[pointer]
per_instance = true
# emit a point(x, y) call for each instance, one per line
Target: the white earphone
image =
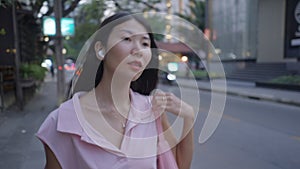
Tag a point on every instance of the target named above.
point(101, 54)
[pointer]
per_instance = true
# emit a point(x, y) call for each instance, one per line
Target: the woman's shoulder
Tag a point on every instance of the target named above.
point(140, 100)
point(67, 118)
point(63, 119)
point(67, 106)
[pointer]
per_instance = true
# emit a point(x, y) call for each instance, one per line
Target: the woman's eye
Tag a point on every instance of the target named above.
point(126, 39)
point(146, 44)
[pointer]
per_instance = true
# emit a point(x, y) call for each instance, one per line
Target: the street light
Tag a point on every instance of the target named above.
point(64, 51)
point(46, 39)
point(169, 4)
point(184, 58)
point(169, 36)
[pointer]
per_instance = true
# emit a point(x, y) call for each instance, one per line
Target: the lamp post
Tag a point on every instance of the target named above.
point(208, 32)
point(19, 91)
point(58, 53)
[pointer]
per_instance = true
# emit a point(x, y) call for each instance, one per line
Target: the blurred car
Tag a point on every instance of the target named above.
point(168, 76)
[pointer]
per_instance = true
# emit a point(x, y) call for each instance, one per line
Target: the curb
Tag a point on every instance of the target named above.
point(248, 95)
point(266, 98)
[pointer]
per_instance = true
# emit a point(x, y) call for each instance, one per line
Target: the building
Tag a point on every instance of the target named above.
point(256, 40)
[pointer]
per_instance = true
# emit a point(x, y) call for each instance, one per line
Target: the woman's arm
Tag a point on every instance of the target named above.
point(183, 151)
point(185, 148)
point(51, 160)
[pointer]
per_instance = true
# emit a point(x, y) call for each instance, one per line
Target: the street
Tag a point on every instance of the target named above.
point(252, 134)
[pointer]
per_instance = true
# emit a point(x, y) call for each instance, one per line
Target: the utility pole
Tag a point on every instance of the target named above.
point(58, 53)
point(19, 91)
point(209, 32)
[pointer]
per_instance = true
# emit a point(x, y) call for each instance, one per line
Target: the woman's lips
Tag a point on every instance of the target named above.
point(136, 65)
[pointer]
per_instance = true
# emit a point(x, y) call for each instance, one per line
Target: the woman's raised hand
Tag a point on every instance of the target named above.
point(168, 102)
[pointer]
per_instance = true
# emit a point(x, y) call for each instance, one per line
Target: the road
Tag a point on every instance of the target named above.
point(252, 134)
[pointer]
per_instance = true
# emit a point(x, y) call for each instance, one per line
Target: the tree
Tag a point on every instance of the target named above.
point(5, 3)
point(196, 15)
point(89, 16)
point(88, 19)
point(137, 5)
point(32, 47)
point(158, 26)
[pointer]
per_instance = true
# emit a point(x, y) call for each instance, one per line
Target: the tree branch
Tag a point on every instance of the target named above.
point(118, 5)
point(148, 5)
point(71, 8)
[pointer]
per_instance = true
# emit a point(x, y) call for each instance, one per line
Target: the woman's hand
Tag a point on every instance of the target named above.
point(168, 102)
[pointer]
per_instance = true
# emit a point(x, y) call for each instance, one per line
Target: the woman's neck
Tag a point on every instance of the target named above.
point(113, 93)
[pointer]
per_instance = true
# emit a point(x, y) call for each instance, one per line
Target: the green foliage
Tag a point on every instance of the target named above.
point(2, 31)
point(197, 74)
point(32, 71)
point(5, 3)
point(89, 17)
point(196, 15)
point(91, 12)
point(137, 6)
point(83, 32)
point(29, 25)
point(87, 22)
point(200, 74)
point(291, 79)
point(158, 26)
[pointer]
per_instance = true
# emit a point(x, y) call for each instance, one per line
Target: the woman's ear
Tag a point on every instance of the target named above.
point(99, 50)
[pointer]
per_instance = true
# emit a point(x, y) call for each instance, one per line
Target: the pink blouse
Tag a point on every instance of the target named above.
point(77, 145)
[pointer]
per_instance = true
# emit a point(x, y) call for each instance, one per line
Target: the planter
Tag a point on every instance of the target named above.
point(29, 87)
point(26, 83)
point(278, 86)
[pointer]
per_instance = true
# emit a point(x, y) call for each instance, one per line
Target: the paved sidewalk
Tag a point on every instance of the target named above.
point(20, 149)
point(245, 89)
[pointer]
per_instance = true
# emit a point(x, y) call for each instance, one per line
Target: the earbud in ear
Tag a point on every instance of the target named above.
point(101, 54)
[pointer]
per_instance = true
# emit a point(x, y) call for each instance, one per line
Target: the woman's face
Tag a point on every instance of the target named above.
point(128, 50)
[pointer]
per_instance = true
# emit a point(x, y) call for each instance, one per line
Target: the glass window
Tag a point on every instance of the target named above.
point(234, 24)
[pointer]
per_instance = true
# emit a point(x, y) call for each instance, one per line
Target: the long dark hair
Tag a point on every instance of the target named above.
point(149, 78)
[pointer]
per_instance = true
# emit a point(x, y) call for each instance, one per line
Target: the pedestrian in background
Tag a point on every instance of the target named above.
point(52, 70)
point(116, 123)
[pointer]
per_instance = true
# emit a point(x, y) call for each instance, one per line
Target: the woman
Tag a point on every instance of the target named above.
point(113, 125)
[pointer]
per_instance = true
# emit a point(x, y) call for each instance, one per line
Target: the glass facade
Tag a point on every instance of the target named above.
point(234, 24)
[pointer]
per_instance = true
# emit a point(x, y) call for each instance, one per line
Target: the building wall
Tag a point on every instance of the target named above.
point(6, 37)
point(270, 39)
point(244, 29)
point(234, 25)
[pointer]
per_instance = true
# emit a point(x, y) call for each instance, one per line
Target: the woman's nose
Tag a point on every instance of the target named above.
point(136, 49)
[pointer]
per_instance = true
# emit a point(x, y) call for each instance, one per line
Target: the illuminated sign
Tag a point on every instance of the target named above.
point(67, 26)
point(292, 29)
